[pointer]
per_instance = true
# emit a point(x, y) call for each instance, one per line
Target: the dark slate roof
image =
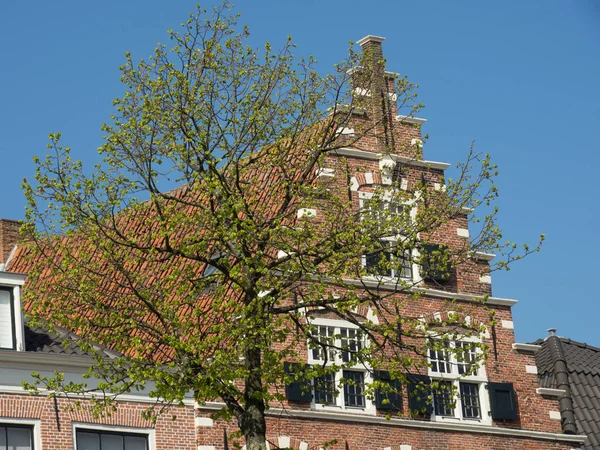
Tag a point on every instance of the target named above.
point(583, 363)
point(39, 339)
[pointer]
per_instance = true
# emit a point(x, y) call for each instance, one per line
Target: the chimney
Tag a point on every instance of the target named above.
point(378, 85)
point(9, 236)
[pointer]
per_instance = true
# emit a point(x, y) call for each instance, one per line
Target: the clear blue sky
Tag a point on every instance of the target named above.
point(521, 78)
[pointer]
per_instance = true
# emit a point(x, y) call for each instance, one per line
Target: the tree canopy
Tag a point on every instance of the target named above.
point(209, 287)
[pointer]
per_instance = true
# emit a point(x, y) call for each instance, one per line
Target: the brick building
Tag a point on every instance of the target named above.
point(497, 405)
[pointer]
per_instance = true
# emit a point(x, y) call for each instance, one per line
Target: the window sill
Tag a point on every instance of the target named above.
point(367, 411)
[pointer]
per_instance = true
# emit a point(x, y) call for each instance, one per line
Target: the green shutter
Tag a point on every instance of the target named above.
point(502, 401)
point(297, 391)
point(419, 394)
point(433, 264)
point(388, 400)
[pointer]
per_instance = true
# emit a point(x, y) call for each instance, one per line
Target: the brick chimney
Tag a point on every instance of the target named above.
point(9, 236)
point(378, 85)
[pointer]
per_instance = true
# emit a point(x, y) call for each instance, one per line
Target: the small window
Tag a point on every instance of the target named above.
point(469, 397)
point(386, 262)
point(110, 440)
point(325, 390)
point(354, 389)
point(16, 437)
point(443, 400)
point(440, 359)
point(210, 269)
point(7, 321)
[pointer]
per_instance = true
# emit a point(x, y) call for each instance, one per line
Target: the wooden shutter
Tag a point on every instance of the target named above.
point(388, 400)
point(297, 391)
point(433, 266)
point(502, 401)
point(419, 394)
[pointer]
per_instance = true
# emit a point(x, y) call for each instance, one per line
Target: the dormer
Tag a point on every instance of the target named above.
point(12, 328)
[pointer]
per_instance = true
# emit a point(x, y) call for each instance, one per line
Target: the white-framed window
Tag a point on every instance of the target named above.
point(104, 437)
point(386, 261)
point(20, 434)
point(16, 437)
point(459, 381)
point(7, 319)
point(337, 343)
point(12, 328)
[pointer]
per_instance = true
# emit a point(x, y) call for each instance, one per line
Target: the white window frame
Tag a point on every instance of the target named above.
point(413, 254)
point(456, 378)
point(149, 433)
point(13, 282)
point(369, 407)
point(34, 424)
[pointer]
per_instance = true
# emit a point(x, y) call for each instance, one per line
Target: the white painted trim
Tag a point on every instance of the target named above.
point(462, 232)
point(203, 422)
point(393, 286)
point(532, 370)
point(455, 427)
point(132, 398)
point(34, 423)
point(554, 415)
point(483, 256)
point(307, 212)
point(548, 392)
point(526, 348)
point(12, 279)
point(149, 432)
point(324, 172)
point(389, 74)
point(363, 154)
point(508, 324)
point(485, 279)
point(370, 38)
point(410, 119)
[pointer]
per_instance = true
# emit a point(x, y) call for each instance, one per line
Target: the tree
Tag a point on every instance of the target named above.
point(209, 287)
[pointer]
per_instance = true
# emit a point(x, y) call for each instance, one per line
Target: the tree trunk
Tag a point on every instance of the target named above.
point(252, 422)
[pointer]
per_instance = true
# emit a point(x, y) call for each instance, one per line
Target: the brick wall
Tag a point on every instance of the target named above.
point(57, 420)
point(9, 235)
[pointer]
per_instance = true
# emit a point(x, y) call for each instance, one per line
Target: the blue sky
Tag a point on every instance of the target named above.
point(521, 78)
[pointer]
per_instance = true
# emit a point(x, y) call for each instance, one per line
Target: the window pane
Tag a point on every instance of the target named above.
point(354, 389)
point(467, 358)
point(443, 401)
point(469, 396)
point(88, 441)
point(351, 342)
point(406, 268)
point(135, 443)
point(325, 389)
point(438, 358)
point(324, 335)
point(111, 442)
point(19, 438)
point(6, 326)
point(2, 438)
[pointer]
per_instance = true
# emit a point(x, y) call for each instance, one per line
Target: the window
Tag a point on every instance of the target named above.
point(385, 262)
point(110, 440)
point(7, 321)
point(210, 269)
point(16, 437)
point(459, 384)
point(386, 219)
point(338, 343)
